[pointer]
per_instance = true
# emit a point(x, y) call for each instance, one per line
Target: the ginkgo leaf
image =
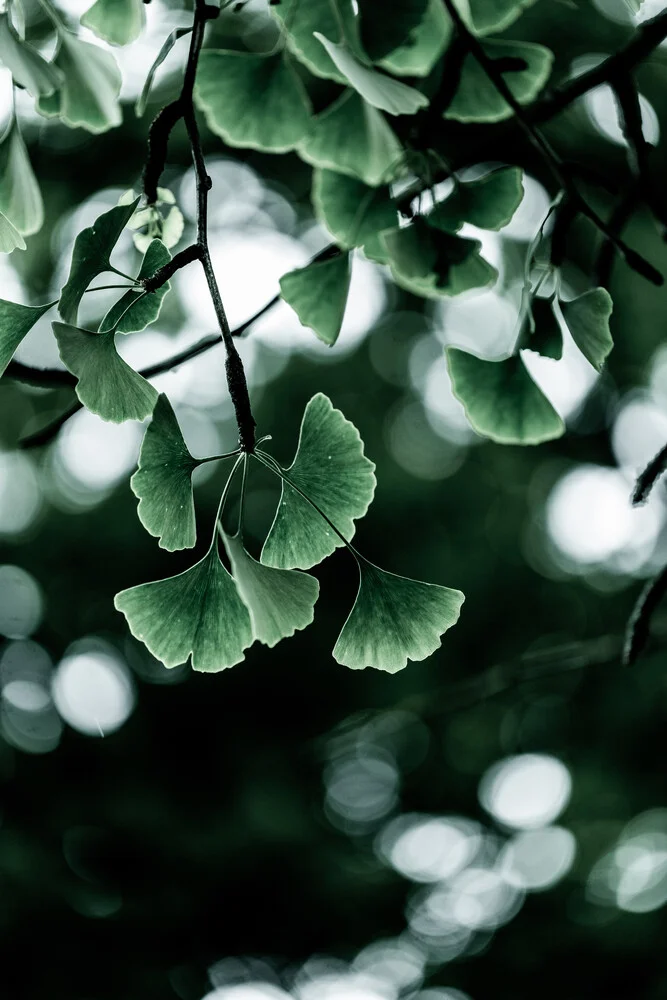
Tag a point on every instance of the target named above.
point(20, 197)
point(545, 337)
point(107, 385)
point(501, 400)
point(495, 15)
point(300, 20)
point(525, 68)
point(353, 138)
point(197, 613)
point(418, 54)
point(28, 68)
point(88, 97)
point(434, 263)
point(395, 619)
point(385, 29)
point(10, 237)
point(167, 46)
point(331, 469)
point(587, 319)
point(488, 202)
point(136, 310)
point(118, 22)
point(252, 100)
point(354, 213)
point(381, 91)
point(280, 601)
point(15, 322)
point(318, 295)
point(163, 481)
point(90, 257)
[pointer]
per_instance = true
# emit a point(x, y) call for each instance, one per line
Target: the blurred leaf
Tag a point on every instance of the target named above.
point(418, 54)
point(331, 469)
point(383, 30)
point(167, 46)
point(488, 202)
point(28, 68)
point(496, 15)
point(280, 601)
point(433, 263)
point(89, 94)
point(394, 619)
point(198, 613)
point(15, 322)
point(20, 196)
point(10, 237)
point(501, 400)
point(477, 100)
point(118, 22)
point(250, 100)
point(91, 256)
point(300, 20)
point(163, 481)
point(354, 213)
point(546, 337)
point(352, 137)
point(318, 295)
point(107, 385)
point(587, 319)
point(146, 308)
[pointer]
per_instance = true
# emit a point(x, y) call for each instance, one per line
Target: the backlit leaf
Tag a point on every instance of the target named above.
point(28, 68)
point(146, 308)
point(20, 196)
point(488, 202)
point(354, 213)
point(587, 319)
point(496, 15)
point(15, 322)
point(433, 263)
point(10, 237)
point(318, 295)
point(418, 54)
point(477, 100)
point(302, 18)
point(118, 22)
point(167, 46)
point(88, 97)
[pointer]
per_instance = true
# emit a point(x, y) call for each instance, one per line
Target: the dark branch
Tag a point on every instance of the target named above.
point(639, 626)
point(179, 260)
point(649, 477)
point(158, 143)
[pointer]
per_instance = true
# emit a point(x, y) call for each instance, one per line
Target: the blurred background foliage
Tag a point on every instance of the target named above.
point(490, 822)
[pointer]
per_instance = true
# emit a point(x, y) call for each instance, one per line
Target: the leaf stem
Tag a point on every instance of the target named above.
point(223, 499)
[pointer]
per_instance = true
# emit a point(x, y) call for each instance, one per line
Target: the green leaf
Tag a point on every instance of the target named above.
point(381, 91)
point(300, 19)
point(251, 100)
point(501, 400)
point(280, 601)
point(477, 100)
point(545, 337)
point(354, 213)
point(329, 467)
point(15, 322)
point(418, 54)
point(20, 197)
point(10, 237)
point(146, 308)
point(433, 263)
point(167, 46)
point(488, 202)
point(197, 613)
point(28, 68)
point(163, 481)
point(353, 138)
point(91, 256)
point(118, 22)
point(318, 295)
point(496, 15)
point(107, 385)
point(385, 29)
point(89, 94)
point(395, 619)
point(587, 319)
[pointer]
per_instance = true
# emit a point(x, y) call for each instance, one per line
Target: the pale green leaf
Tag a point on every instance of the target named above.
point(118, 22)
point(354, 213)
point(28, 68)
point(10, 237)
point(331, 469)
point(318, 295)
point(106, 384)
point(433, 263)
point(395, 619)
point(198, 613)
point(163, 481)
point(385, 28)
point(418, 54)
point(353, 138)
point(587, 319)
point(488, 202)
point(20, 196)
point(167, 46)
point(254, 101)
point(501, 400)
point(135, 310)
point(15, 322)
point(300, 20)
point(88, 97)
point(476, 98)
point(489, 16)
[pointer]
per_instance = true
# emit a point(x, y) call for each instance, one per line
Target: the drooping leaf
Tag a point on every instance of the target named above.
point(198, 613)
point(488, 202)
point(280, 601)
point(395, 619)
point(587, 319)
point(545, 337)
point(300, 20)
point(318, 295)
point(15, 322)
point(384, 29)
point(254, 101)
point(476, 98)
point(433, 263)
point(28, 68)
point(118, 22)
point(88, 97)
point(107, 385)
point(10, 237)
point(329, 467)
point(418, 54)
point(91, 256)
point(353, 138)
point(496, 15)
point(20, 197)
point(167, 46)
point(146, 308)
point(354, 213)
point(163, 481)
point(501, 400)
point(381, 91)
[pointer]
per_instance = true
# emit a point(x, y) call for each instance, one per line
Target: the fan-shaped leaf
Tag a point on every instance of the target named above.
point(118, 22)
point(543, 334)
point(418, 54)
point(163, 481)
point(10, 237)
point(385, 29)
point(300, 20)
point(107, 385)
point(28, 68)
point(354, 213)
point(501, 400)
point(318, 295)
point(167, 46)
point(252, 100)
point(587, 319)
point(329, 467)
point(15, 322)
point(433, 263)
point(146, 308)
point(488, 202)
point(496, 15)
point(20, 197)
point(89, 94)
point(198, 613)
point(477, 100)
point(395, 619)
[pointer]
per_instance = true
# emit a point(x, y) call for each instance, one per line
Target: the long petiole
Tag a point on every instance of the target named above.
point(108, 288)
point(219, 458)
point(223, 500)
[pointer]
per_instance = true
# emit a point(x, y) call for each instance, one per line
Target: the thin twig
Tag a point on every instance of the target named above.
point(639, 625)
point(649, 477)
